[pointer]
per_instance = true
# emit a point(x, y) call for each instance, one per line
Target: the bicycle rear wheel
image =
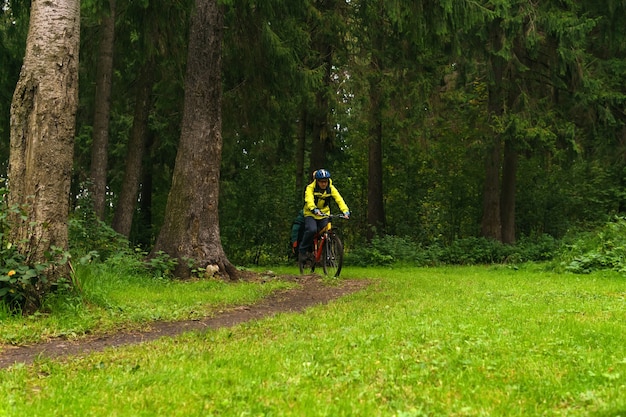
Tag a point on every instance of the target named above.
point(332, 258)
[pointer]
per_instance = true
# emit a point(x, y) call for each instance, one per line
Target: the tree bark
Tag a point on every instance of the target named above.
point(301, 176)
point(507, 205)
point(144, 222)
point(322, 133)
point(509, 171)
point(375, 203)
point(191, 225)
point(43, 116)
point(127, 202)
point(491, 224)
point(100, 144)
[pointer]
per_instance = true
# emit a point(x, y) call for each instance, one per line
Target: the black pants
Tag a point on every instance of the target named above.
point(311, 226)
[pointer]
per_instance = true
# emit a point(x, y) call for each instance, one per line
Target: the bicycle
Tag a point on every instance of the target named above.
point(327, 251)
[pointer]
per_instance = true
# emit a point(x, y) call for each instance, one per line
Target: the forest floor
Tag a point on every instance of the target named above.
point(311, 290)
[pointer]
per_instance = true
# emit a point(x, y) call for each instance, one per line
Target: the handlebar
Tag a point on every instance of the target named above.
point(335, 216)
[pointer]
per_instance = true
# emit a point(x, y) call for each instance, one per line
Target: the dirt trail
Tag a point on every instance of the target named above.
point(311, 291)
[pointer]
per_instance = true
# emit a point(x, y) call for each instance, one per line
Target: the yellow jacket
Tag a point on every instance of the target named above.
point(315, 197)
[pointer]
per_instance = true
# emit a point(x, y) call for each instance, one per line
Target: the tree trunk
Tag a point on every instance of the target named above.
point(322, 133)
point(144, 223)
point(127, 202)
point(491, 224)
point(319, 136)
point(191, 225)
point(375, 203)
point(507, 205)
point(43, 116)
point(100, 144)
point(301, 176)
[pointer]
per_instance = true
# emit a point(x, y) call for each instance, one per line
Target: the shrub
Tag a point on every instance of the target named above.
point(389, 250)
point(603, 248)
point(385, 250)
point(162, 265)
point(475, 250)
point(89, 236)
point(537, 249)
point(22, 281)
point(480, 250)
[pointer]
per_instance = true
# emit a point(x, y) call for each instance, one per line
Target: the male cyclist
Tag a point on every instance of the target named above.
point(316, 209)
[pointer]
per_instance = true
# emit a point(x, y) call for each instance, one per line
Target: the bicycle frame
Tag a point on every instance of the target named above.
point(327, 251)
point(318, 241)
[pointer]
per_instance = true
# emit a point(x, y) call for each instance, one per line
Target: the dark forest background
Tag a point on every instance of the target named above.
point(441, 121)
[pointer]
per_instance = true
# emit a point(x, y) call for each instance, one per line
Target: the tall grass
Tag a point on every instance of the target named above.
point(453, 341)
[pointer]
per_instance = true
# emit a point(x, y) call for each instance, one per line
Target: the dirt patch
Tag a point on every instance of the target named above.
point(310, 291)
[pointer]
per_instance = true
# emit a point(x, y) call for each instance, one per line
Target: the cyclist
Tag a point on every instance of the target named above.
point(316, 209)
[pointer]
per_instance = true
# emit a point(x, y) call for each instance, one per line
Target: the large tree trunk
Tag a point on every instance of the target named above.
point(491, 224)
point(375, 202)
point(507, 205)
point(322, 134)
point(100, 144)
point(191, 225)
point(127, 202)
point(144, 226)
point(509, 174)
point(43, 113)
point(300, 151)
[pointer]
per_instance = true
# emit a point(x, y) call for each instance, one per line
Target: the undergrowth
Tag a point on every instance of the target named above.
point(393, 250)
point(579, 252)
point(601, 248)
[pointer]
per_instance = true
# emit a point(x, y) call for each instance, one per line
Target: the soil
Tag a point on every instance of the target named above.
point(310, 291)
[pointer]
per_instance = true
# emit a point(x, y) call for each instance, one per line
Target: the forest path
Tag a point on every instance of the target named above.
point(311, 290)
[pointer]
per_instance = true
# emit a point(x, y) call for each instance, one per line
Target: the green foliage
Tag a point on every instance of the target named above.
point(602, 248)
point(566, 120)
point(386, 250)
point(21, 280)
point(95, 242)
point(475, 250)
point(17, 278)
point(94, 238)
point(89, 237)
point(162, 265)
point(539, 248)
point(257, 232)
point(470, 251)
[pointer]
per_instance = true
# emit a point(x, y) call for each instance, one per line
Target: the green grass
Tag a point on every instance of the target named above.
point(128, 299)
point(455, 341)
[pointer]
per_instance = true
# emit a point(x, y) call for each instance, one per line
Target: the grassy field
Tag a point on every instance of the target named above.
point(455, 341)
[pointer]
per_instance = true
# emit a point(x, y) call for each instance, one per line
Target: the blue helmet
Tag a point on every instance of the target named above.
point(322, 174)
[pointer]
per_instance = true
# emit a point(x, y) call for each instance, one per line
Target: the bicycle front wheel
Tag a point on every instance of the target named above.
point(332, 258)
